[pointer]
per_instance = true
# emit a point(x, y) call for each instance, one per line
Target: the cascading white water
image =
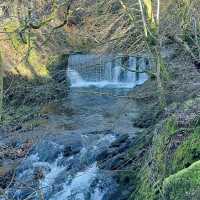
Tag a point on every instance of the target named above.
point(75, 78)
point(83, 181)
point(92, 70)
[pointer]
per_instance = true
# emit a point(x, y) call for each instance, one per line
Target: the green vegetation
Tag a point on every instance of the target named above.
point(188, 152)
point(31, 64)
point(24, 101)
point(183, 185)
point(1, 87)
point(173, 150)
point(35, 48)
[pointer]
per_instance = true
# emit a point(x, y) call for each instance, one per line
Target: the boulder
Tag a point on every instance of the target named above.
point(72, 149)
point(103, 155)
point(113, 163)
point(121, 139)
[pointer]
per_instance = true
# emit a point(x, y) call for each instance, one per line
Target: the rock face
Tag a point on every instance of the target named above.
point(114, 157)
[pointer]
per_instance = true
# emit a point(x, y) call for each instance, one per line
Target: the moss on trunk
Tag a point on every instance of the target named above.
point(1, 87)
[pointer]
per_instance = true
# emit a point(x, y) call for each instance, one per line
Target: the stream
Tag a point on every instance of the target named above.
point(78, 163)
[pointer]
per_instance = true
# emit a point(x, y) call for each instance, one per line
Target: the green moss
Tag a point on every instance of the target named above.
point(144, 188)
point(155, 166)
point(151, 170)
point(160, 143)
point(40, 68)
point(174, 147)
point(11, 28)
point(18, 47)
point(183, 185)
point(188, 152)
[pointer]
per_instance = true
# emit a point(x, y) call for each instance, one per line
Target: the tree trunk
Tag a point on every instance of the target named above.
point(1, 87)
point(143, 18)
point(149, 11)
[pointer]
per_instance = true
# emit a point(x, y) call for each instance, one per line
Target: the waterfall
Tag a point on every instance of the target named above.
point(105, 71)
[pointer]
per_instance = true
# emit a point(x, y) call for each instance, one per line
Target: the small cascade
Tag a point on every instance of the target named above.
point(73, 177)
point(75, 78)
point(106, 71)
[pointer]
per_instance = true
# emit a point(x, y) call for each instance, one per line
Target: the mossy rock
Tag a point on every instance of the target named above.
point(175, 146)
point(162, 138)
point(145, 189)
point(188, 152)
point(184, 185)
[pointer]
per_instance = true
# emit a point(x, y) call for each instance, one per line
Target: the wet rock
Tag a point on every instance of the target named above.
point(149, 118)
point(38, 174)
point(118, 141)
point(5, 179)
point(1, 191)
point(108, 153)
point(70, 150)
point(125, 195)
point(114, 195)
point(67, 151)
point(113, 163)
point(117, 147)
point(117, 162)
point(67, 139)
point(123, 147)
point(16, 128)
point(102, 132)
point(103, 155)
